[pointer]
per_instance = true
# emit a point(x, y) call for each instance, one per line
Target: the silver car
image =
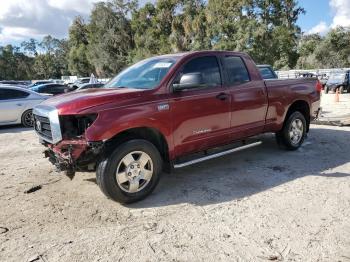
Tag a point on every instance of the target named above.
point(16, 105)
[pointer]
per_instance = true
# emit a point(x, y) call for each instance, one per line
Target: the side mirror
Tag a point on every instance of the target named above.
point(188, 81)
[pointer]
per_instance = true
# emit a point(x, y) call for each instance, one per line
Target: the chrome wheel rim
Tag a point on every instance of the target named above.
point(134, 171)
point(296, 131)
point(28, 119)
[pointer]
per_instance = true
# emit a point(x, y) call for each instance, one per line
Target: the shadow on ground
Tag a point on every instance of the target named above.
point(13, 129)
point(252, 171)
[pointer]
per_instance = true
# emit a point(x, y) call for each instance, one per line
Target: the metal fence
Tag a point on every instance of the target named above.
point(318, 72)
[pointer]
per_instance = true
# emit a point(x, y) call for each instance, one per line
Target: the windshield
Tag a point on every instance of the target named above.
point(146, 74)
point(339, 77)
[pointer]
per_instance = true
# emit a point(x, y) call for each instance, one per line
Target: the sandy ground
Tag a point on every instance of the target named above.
point(262, 204)
point(336, 113)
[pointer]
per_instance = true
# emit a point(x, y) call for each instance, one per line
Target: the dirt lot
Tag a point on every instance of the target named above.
point(258, 205)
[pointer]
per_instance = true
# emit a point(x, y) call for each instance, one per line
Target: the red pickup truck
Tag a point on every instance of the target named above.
point(168, 112)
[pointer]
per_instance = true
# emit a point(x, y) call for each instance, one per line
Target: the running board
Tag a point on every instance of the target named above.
point(223, 153)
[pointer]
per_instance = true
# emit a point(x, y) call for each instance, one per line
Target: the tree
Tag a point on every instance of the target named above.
point(334, 50)
point(189, 27)
point(276, 34)
point(78, 62)
point(30, 47)
point(119, 33)
point(306, 50)
point(14, 64)
point(52, 62)
point(110, 36)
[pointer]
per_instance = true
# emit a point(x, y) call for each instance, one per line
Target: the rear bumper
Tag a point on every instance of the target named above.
point(315, 109)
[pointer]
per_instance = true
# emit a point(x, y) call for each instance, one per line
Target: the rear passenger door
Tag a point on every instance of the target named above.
point(248, 98)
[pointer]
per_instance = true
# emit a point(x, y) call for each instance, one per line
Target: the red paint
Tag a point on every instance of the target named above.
point(69, 149)
point(250, 109)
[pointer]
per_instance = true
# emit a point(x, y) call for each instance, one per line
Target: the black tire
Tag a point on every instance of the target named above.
point(326, 90)
point(284, 138)
point(107, 168)
point(27, 118)
point(341, 90)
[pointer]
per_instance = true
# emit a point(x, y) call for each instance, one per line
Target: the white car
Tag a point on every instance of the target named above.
point(16, 105)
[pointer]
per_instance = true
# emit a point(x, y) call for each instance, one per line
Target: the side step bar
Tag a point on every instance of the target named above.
point(223, 153)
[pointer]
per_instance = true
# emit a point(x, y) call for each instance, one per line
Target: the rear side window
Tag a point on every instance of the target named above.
point(237, 72)
point(266, 73)
point(208, 67)
point(7, 94)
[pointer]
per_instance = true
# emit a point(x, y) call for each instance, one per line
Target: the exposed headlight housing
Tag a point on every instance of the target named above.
point(75, 126)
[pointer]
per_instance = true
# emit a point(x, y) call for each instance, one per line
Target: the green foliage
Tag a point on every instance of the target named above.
point(119, 32)
point(14, 64)
point(110, 36)
point(330, 51)
point(78, 63)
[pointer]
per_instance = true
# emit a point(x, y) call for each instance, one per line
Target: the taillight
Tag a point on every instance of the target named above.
point(318, 86)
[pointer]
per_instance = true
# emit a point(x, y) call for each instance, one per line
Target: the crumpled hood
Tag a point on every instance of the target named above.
point(78, 101)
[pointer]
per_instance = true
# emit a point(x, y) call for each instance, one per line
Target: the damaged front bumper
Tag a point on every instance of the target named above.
point(74, 155)
point(65, 141)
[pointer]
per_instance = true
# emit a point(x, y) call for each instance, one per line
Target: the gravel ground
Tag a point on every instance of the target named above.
point(262, 204)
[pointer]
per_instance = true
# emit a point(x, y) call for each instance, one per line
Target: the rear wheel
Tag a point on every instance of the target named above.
point(341, 90)
point(131, 172)
point(326, 89)
point(294, 131)
point(27, 119)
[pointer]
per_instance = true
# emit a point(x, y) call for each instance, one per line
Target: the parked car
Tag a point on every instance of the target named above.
point(38, 83)
point(54, 89)
point(87, 86)
point(78, 82)
point(323, 79)
point(338, 81)
point(170, 112)
point(306, 75)
point(57, 81)
point(267, 72)
point(16, 105)
point(14, 83)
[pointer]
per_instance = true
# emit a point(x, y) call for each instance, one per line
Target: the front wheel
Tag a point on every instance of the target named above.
point(294, 131)
point(341, 90)
point(131, 172)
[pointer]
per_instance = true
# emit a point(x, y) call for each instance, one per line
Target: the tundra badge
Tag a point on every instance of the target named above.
point(163, 107)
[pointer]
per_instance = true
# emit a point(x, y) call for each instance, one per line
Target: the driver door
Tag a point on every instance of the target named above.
point(201, 115)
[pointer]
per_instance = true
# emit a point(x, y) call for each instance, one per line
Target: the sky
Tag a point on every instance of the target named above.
point(24, 19)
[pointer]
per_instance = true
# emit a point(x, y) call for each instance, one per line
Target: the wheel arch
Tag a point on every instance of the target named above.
point(150, 134)
point(303, 107)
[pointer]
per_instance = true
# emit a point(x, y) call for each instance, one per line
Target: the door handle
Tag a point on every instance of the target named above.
point(19, 104)
point(223, 96)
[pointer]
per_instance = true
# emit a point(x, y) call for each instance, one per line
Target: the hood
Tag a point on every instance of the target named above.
point(78, 101)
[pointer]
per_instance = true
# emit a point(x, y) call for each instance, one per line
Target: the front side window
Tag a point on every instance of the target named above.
point(237, 72)
point(7, 94)
point(207, 67)
point(146, 74)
